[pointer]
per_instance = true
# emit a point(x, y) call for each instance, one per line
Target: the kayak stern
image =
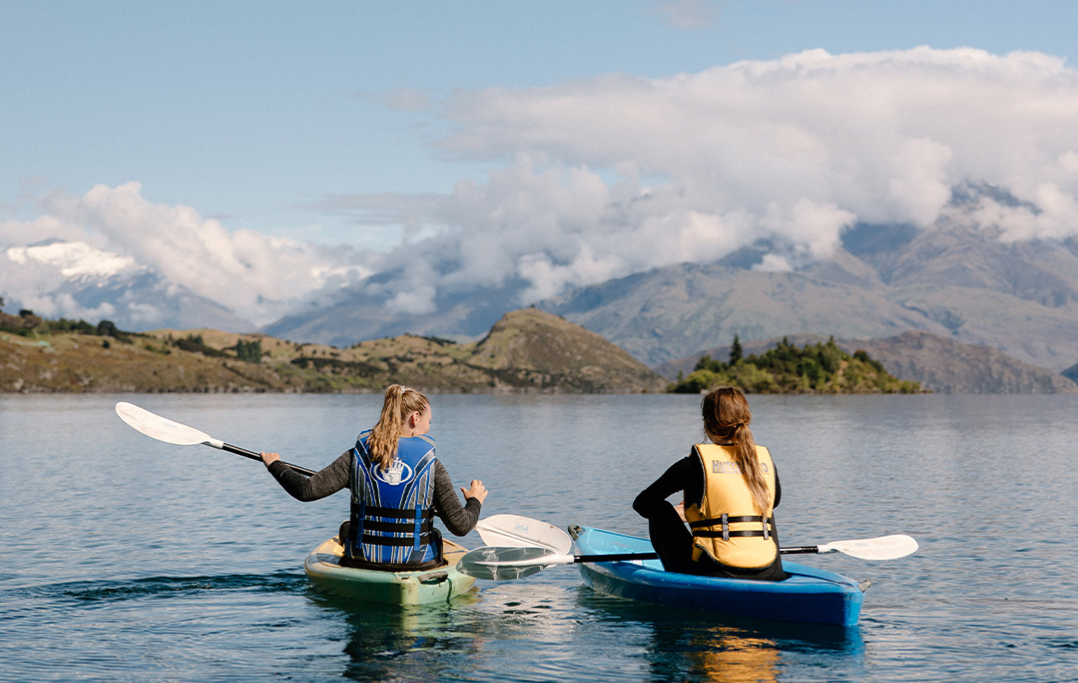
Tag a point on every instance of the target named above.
point(430, 586)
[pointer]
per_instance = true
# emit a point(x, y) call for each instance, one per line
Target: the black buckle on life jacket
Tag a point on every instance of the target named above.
point(725, 527)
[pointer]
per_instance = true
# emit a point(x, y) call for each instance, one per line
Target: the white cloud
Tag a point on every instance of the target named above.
point(773, 263)
point(618, 174)
point(111, 229)
point(73, 259)
point(604, 177)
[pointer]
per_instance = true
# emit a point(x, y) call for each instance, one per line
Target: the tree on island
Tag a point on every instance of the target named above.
point(735, 351)
point(786, 369)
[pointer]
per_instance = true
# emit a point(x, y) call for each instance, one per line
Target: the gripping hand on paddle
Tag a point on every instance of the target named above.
point(477, 491)
point(269, 458)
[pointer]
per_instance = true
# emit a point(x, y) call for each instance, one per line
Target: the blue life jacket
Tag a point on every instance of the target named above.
point(393, 509)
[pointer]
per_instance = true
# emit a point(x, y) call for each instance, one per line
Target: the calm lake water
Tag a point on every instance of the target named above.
point(125, 559)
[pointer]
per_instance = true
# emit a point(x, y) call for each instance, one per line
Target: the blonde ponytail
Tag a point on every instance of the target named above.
point(400, 402)
point(726, 421)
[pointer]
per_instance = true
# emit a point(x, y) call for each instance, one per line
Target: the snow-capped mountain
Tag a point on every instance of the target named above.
point(75, 280)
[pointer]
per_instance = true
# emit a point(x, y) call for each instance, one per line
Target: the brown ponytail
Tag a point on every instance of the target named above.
point(399, 404)
point(726, 421)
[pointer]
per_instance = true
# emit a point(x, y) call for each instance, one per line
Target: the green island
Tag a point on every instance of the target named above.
point(821, 368)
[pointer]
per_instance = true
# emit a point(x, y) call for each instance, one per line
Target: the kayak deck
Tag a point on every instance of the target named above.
point(808, 595)
point(430, 586)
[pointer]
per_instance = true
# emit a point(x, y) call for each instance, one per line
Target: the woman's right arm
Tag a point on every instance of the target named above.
point(325, 482)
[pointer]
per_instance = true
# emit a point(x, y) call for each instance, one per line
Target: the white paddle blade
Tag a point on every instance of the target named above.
point(514, 531)
point(161, 428)
point(507, 563)
point(881, 548)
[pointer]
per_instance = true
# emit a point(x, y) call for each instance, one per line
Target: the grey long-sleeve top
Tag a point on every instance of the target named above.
point(458, 519)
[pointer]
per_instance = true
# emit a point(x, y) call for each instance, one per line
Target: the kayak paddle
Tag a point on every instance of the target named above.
point(504, 563)
point(514, 531)
point(164, 429)
point(542, 545)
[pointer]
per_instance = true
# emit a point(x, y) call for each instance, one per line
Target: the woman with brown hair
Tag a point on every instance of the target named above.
point(731, 489)
point(397, 485)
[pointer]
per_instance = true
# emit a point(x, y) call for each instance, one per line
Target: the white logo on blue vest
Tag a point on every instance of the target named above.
point(397, 473)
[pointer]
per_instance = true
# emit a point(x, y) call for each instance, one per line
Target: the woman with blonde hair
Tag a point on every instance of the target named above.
point(397, 485)
point(731, 489)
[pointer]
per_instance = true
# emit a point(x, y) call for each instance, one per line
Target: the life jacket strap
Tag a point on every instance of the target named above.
point(398, 527)
point(424, 539)
point(726, 534)
point(376, 511)
point(727, 518)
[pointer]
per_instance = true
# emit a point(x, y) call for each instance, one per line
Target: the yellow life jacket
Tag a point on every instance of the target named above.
point(725, 525)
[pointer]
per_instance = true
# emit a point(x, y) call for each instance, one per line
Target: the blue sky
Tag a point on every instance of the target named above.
point(317, 122)
point(250, 110)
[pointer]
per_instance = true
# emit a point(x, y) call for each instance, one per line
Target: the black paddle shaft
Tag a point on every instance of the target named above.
point(615, 557)
point(801, 550)
point(257, 456)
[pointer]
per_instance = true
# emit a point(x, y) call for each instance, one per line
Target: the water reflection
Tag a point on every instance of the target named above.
point(686, 645)
point(531, 624)
point(401, 643)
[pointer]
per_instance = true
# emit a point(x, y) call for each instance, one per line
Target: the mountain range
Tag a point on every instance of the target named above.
point(960, 283)
point(958, 280)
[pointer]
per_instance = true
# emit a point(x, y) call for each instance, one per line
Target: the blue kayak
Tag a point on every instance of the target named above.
point(808, 595)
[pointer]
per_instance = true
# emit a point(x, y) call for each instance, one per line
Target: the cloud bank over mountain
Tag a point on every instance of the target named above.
point(604, 177)
point(115, 234)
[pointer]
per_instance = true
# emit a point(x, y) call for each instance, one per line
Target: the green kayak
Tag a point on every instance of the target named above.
point(323, 568)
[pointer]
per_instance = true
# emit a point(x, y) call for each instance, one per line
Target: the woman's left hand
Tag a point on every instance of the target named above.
point(680, 510)
point(477, 491)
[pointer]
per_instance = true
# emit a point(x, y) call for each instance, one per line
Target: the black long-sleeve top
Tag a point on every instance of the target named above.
point(685, 475)
point(458, 519)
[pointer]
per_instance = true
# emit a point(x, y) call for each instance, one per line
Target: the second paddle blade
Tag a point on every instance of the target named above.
point(505, 564)
point(516, 531)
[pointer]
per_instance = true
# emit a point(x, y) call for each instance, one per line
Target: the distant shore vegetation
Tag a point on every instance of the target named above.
point(821, 368)
point(27, 324)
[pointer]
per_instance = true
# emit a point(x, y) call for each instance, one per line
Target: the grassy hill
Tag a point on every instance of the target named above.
point(526, 351)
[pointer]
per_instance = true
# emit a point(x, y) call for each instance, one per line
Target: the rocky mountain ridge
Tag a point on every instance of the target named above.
point(961, 284)
point(958, 279)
